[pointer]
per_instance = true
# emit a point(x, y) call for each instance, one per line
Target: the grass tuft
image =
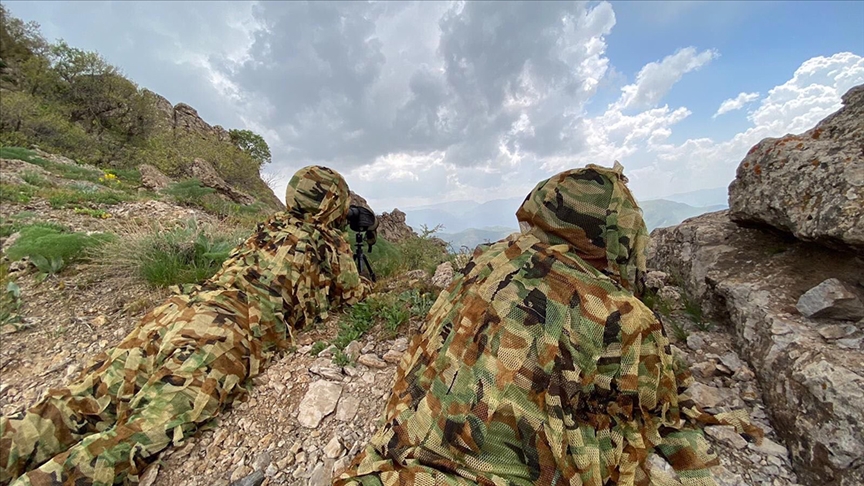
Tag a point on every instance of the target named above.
point(51, 247)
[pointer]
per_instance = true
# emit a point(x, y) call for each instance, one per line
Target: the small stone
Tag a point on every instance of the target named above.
point(769, 448)
point(239, 473)
point(368, 348)
point(320, 400)
point(704, 369)
point(831, 299)
point(353, 350)
point(400, 344)
point(351, 371)
point(695, 342)
point(393, 356)
point(837, 331)
point(417, 274)
point(328, 352)
point(744, 374)
point(334, 448)
point(99, 321)
point(656, 280)
point(271, 471)
point(706, 396)
point(732, 361)
point(368, 377)
point(727, 435)
point(149, 476)
point(670, 294)
point(285, 461)
point(305, 349)
point(300, 457)
point(850, 343)
point(372, 361)
point(261, 461)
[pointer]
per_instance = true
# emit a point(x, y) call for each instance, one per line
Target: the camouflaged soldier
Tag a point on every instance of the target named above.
point(538, 366)
point(194, 354)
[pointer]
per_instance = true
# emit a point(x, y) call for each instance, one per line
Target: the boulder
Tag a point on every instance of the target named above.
point(152, 178)
point(204, 171)
point(393, 228)
point(750, 280)
point(443, 275)
point(831, 299)
point(186, 117)
point(320, 400)
point(811, 185)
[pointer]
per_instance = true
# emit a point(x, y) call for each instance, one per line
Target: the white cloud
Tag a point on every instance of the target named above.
point(657, 78)
point(736, 103)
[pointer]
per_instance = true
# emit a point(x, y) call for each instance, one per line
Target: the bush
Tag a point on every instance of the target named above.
point(187, 254)
point(66, 171)
point(53, 247)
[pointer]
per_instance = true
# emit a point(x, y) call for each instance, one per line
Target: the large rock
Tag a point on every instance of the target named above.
point(152, 178)
point(204, 171)
point(751, 280)
point(320, 400)
point(186, 117)
point(831, 299)
point(812, 184)
point(393, 228)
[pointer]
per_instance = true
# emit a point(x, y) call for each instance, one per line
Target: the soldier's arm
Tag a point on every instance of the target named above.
point(348, 286)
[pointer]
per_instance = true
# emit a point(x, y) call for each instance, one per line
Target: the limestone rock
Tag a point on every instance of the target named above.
point(152, 178)
point(655, 280)
point(831, 299)
point(347, 408)
point(334, 448)
point(353, 350)
point(186, 117)
point(727, 435)
point(443, 275)
point(320, 400)
point(707, 396)
point(204, 171)
point(811, 185)
point(392, 356)
point(814, 389)
point(371, 360)
point(393, 228)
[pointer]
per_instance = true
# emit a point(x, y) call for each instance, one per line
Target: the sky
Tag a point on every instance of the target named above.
point(423, 102)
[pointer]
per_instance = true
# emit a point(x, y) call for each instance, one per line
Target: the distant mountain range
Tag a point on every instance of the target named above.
point(468, 223)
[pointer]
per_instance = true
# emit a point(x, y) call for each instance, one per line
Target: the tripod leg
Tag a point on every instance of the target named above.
point(371, 272)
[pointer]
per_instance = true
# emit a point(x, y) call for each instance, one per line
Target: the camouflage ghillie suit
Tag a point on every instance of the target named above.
point(192, 355)
point(538, 366)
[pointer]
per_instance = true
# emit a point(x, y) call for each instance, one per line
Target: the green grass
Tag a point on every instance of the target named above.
point(34, 179)
point(317, 347)
point(66, 171)
point(187, 254)
point(93, 213)
point(52, 247)
point(10, 297)
point(389, 259)
point(678, 330)
point(391, 311)
point(655, 303)
point(189, 192)
point(16, 194)
point(65, 198)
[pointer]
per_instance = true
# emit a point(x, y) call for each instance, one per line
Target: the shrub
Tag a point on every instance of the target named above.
point(388, 259)
point(52, 247)
point(34, 179)
point(187, 254)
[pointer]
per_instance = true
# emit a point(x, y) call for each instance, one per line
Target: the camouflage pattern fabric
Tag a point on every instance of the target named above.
point(538, 367)
point(194, 354)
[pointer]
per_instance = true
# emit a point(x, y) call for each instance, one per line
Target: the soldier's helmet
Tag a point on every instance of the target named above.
point(591, 210)
point(318, 195)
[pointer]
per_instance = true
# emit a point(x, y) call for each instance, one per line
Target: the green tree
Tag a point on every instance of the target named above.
point(19, 40)
point(251, 144)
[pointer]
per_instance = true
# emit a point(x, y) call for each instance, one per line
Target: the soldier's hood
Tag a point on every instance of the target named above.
point(318, 195)
point(592, 211)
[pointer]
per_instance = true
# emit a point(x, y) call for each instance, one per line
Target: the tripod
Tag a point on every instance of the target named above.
point(360, 257)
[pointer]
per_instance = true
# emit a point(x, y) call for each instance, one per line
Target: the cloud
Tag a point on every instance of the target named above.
point(813, 92)
point(736, 103)
point(657, 78)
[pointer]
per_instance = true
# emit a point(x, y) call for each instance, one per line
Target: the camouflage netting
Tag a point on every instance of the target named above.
point(538, 366)
point(194, 354)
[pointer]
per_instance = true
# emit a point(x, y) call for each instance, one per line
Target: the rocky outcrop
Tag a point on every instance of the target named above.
point(811, 370)
point(153, 178)
point(811, 185)
point(204, 171)
point(393, 228)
